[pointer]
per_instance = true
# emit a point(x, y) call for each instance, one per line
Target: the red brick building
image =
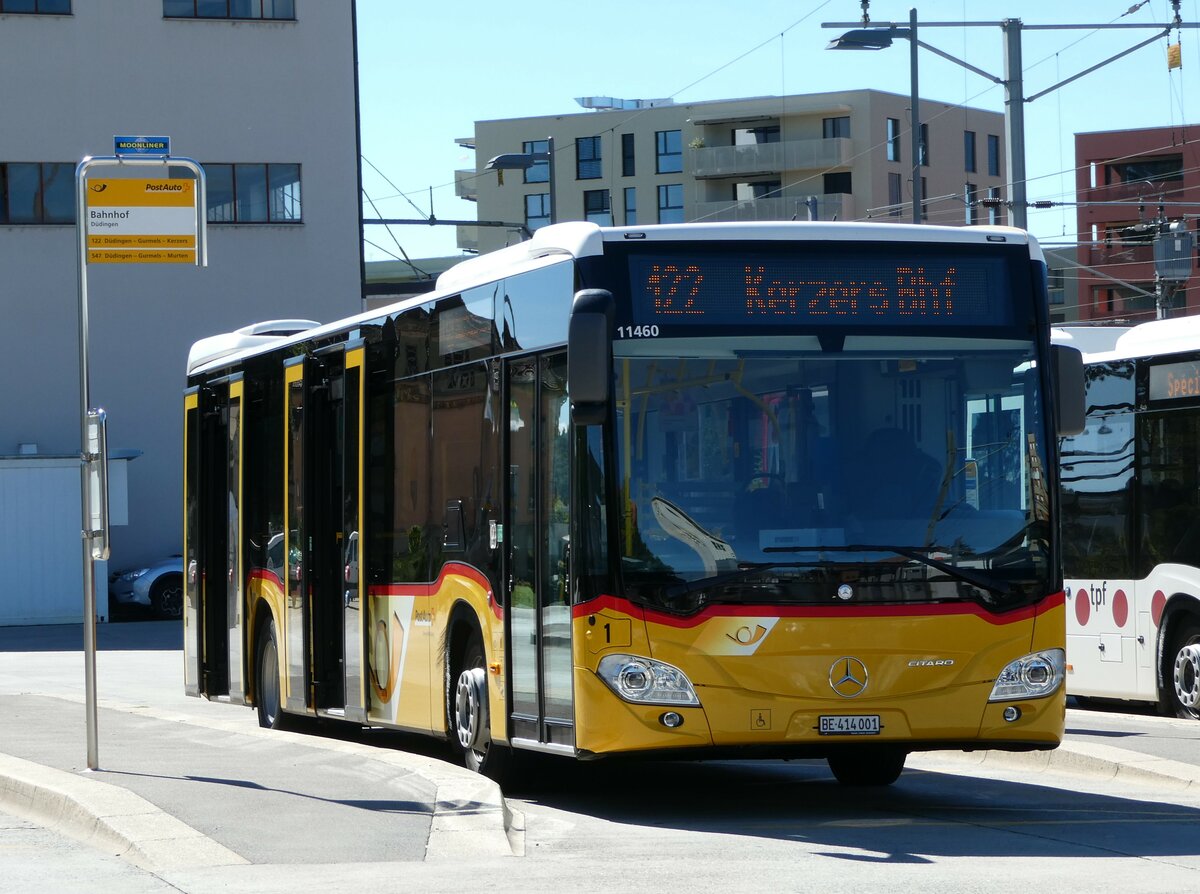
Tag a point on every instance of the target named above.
point(1123, 178)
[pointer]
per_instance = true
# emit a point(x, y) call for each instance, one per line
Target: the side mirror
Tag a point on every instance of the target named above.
point(1069, 392)
point(589, 355)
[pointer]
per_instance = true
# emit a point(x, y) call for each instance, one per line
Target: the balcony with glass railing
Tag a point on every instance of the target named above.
point(836, 206)
point(765, 158)
point(464, 185)
point(467, 238)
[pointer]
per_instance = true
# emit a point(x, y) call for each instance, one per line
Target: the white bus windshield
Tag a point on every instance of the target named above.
point(767, 470)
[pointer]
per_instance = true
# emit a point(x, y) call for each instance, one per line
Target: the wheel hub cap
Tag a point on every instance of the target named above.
point(468, 708)
point(1187, 676)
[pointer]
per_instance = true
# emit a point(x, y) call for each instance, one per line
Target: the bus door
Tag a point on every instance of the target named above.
point(537, 553)
point(324, 625)
point(213, 572)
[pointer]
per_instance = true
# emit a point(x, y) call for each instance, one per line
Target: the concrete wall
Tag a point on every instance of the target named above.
point(225, 92)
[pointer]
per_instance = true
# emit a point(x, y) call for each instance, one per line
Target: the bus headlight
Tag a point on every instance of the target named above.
point(1032, 676)
point(646, 681)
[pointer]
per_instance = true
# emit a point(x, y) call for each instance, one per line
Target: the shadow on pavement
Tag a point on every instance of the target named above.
point(924, 813)
point(151, 636)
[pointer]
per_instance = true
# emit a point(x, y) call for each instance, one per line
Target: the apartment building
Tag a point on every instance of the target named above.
point(836, 156)
point(263, 94)
point(1128, 184)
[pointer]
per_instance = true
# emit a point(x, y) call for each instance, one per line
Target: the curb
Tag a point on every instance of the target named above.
point(466, 805)
point(107, 817)
point(1089, 759)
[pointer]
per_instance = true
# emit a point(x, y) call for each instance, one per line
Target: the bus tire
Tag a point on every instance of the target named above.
point(1181, 673)
point(470, 714)
point(868, 765)
point(267, 697)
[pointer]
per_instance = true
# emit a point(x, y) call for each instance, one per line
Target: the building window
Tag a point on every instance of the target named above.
point(253, 193)
point(596, 207)
point(1163, 168)
point(587, 158)
point(895, 196)
point(670, 203)
point(753, 136)
point(630, 206)
point(228, 9)
point(993, 155)
point(668, 151)
point(37, 193)
point(994, 207)
point(893, 139)
point(539, 171)
point(627, 158)
point(969, 151)
point(760, 189)
point(835, 127)
point(537, 210)
point(971, 200)
point(925, 145)
point(37, 7)
point(838, 182)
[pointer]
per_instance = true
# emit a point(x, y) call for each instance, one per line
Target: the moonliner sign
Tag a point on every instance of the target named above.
point(141, 221)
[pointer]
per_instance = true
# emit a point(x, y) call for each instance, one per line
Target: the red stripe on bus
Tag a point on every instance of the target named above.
point(759, 610)
point(264, 575)
point(426, 591)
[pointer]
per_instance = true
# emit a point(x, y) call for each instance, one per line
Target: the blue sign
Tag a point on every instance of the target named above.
point(152, 146)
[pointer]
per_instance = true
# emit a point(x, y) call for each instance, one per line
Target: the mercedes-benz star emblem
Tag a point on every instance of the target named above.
point(848, 677)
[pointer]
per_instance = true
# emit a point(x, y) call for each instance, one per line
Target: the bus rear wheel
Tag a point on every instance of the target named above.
point(266, 680)
point(867, 765)
point(1183, 674)
point(471, 717)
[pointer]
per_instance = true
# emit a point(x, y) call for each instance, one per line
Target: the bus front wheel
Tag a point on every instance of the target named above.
point(1183, 673)
point(266, 681)
point(867, 765)
point(470, 715)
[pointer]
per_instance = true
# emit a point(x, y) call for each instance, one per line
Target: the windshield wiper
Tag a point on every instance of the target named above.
point(916, 553)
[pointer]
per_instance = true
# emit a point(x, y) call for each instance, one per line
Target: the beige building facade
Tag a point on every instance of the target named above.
point(836, 156)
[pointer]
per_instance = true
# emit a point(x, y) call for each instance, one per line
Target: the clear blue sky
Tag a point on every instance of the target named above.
point(428, 71)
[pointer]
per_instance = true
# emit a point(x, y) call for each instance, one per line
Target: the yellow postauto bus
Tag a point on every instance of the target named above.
point(753, 490)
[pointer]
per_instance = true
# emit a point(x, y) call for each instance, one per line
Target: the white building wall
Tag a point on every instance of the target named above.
point(225, 92)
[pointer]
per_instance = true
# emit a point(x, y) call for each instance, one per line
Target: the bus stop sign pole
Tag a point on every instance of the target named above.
point(153, 152)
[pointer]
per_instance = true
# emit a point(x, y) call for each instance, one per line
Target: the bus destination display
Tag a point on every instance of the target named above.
point(869, 289)
point(1171, 381)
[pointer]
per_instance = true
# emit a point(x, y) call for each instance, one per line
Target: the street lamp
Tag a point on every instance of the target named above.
point(881, 39)
point(523, 161)
point(1014, 95)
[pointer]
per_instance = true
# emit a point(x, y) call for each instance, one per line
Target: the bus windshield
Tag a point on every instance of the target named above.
point(896, 470)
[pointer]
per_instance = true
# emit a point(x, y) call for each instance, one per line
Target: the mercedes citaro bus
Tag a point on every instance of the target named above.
point(778, 489)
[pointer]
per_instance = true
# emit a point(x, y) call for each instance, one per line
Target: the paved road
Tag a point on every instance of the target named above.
point(234, 808)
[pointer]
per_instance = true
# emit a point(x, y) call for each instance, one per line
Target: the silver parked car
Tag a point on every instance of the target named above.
point(157, 588)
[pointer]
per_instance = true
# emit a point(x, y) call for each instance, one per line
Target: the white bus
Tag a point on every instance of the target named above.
point(1131, 517)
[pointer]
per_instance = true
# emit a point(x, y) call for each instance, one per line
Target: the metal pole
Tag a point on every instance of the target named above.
point(89, 571)
point(1014, 121)
point(550, 178)
point(915, 116)
point(87, 534)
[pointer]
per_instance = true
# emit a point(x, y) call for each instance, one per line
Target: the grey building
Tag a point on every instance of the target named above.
point(260, 92)
point(846, 155)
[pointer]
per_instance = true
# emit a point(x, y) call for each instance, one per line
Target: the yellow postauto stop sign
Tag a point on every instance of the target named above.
point(141, 221)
